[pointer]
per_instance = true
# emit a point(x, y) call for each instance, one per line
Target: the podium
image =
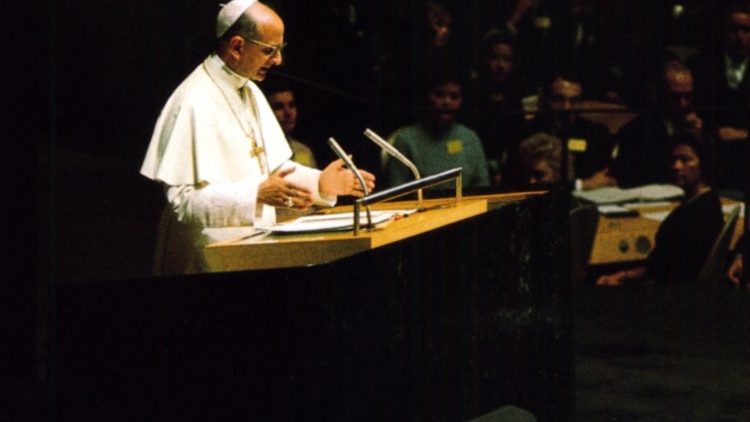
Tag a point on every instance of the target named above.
point(447, 314)
point(293, 250)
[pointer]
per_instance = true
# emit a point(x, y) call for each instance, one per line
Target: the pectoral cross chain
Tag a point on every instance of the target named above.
point(256, 151)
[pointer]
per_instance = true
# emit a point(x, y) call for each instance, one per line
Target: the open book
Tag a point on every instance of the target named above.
point(646, 193)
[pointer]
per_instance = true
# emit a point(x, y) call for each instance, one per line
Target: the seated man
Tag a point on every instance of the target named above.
point(588, 143)
point(685, 237)
point(438, 142)
point(723, 80)
point(723, 88)
point(644, 144)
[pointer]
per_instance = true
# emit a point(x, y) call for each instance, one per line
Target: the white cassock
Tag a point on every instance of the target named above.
point(215, 141)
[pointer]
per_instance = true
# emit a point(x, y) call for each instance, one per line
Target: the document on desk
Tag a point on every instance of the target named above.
point(336, 221)
point(615, 195)
point(728, 208)
point(611, 210)
point(656, 216)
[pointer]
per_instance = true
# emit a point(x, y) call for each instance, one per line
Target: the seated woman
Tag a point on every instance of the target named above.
point(539, 158)
point(685, 237)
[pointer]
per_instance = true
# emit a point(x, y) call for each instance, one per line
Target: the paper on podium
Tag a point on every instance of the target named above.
point(646, 193)
point(334, 222)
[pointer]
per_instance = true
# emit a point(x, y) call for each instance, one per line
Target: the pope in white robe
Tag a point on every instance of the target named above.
point(220, 154)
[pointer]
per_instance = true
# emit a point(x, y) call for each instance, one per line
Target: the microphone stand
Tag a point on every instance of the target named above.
point(395, 153)
point(348, 161)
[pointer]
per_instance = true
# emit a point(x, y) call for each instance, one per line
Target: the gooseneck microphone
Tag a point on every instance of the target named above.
point(349, 163)
point(395, 153)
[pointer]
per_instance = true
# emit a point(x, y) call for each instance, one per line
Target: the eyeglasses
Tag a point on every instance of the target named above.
point(268, 50)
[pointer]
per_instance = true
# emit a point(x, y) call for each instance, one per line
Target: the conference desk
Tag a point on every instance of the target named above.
point(630, 239)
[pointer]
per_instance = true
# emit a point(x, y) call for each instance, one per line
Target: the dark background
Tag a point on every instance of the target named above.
point(108, 69)
point(113, 68)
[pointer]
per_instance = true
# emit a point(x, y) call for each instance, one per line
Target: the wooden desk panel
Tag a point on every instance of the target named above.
point(630, 239)
point(446, 325)
point(285, 251)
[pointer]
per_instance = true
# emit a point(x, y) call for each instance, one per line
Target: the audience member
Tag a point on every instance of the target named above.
point(438, 142)
point(588, 143)
point(723, 89)
point(723, 77)
point(531, 22)
point(496, 109)
point(583, 50)
point(571, 35)
point(539, 159)
point(640, 47)
point(686, 236)
point(283, 102)
point(643, 144)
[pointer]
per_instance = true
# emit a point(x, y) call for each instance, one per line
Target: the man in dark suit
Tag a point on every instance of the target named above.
point(723, 88)
point(644, 145)
point(588, 143)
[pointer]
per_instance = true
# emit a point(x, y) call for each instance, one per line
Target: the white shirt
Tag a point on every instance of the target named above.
point(735, 71)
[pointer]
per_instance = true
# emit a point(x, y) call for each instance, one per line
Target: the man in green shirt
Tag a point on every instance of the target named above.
point(438, 143)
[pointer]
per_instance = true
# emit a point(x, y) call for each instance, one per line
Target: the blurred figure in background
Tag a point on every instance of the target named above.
point(496, 109)
point(723, 77)
point(284, 105)
point(588, 144)
point(686, 236)
point(644, 144)
point(439, 142)
point(723, 89)
point(539, 159)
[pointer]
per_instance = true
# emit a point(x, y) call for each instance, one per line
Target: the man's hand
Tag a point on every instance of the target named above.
point(599, 180)
point(336, 179)
point(278, 192)
point(734, 273)
point(728, 133)
point(615, 279)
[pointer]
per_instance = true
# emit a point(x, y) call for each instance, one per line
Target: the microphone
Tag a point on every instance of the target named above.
point(390, 149)
point(349, 163)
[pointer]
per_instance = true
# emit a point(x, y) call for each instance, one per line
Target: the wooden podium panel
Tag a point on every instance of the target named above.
point(441, 316)
point(295, 250)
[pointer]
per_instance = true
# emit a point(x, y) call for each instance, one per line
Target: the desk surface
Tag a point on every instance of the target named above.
point(294, 250)
point(630, 239)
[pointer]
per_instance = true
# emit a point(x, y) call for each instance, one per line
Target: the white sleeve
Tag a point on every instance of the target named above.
point(309, 178)
point(214, 205)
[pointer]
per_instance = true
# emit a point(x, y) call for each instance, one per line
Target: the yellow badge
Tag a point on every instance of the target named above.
point(542, 22)
point(455, 146)
point(576, 145)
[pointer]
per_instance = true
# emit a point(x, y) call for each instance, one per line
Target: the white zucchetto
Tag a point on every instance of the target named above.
point(229, 14)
